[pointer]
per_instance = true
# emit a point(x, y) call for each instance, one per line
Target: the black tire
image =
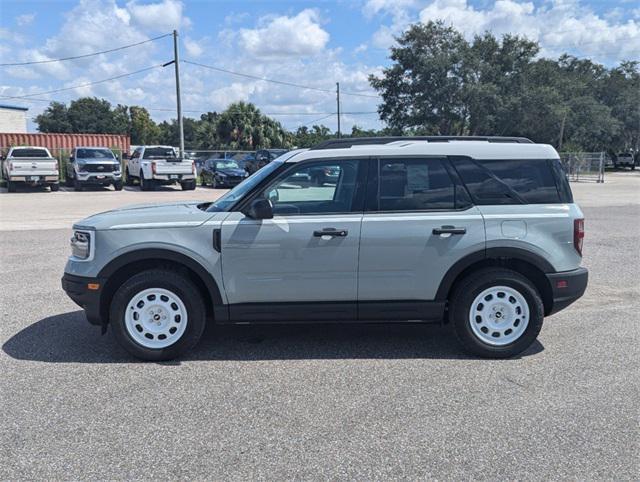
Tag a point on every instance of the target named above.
point(464, 295)
point(117, 185)
point(128, 180)
point(68, 181)
point(168, 280)
point(146, 185)
point(11, 186)
point(188, 185)
point(77, 185)
point(54, 187)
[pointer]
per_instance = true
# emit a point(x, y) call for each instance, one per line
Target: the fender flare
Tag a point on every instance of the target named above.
point(489, 253)
point(169, 255)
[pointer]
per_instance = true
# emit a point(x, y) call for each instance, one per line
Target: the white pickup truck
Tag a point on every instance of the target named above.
point(32, 166)
point(155, 165)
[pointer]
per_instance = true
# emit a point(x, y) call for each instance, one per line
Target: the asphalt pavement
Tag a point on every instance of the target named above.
point(365, 402)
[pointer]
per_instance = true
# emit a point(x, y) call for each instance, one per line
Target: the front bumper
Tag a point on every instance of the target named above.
point(567, 287)
point(77, 288)
point(97, 178)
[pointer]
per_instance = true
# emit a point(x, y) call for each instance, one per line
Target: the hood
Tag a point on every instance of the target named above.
point(231, 171)
point(148, 216)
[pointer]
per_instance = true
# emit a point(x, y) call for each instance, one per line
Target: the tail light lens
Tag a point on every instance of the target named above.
point(153, 168)
point(193, 168)
point(578, 234)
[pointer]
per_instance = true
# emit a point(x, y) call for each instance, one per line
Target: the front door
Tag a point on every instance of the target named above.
point(301, 265)
point(418, 224)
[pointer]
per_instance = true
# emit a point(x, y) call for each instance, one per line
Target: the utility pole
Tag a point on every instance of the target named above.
point(564, 119)
point(176, 62)
point(338, 102)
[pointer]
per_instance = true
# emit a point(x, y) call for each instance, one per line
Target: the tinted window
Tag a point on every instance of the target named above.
point(321, 187)
point(29, 153)
point(159, 153)
point(519, 181)
point(414, 185)
point(94, 154)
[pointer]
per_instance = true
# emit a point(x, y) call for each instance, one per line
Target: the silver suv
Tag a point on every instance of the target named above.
point(93, 166)
point(481, 233)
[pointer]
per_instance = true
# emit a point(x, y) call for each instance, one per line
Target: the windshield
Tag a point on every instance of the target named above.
point(227, 165)
point(29, 153)
point(230, 198)
point(94, 154)
point(159, 153)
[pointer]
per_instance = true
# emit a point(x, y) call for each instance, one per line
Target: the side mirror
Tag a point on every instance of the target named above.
point(260, 208)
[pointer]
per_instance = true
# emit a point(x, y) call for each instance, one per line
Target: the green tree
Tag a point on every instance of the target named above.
point(55, 118)
point(143, 130)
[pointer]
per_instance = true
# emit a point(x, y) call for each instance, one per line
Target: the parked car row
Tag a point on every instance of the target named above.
point(148, 166)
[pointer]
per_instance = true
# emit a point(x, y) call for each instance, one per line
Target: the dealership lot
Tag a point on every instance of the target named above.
point(366, 402)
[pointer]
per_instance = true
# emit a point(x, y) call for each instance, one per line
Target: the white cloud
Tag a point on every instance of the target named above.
point(160, 17)
point(25, 19)
point(192, 47)
point(297, 36)
point(559, 26)
point(360, 48)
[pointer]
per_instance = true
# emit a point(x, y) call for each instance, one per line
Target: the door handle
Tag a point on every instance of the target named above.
point(449, 230)
point(339, 233)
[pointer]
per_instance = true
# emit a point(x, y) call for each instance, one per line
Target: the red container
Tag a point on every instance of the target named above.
point(65, 141)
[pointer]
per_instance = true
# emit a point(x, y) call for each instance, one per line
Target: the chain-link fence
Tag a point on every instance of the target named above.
point(584, 166)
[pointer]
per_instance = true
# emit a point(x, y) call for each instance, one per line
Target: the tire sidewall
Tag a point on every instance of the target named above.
point(468, 293)
point(178, 284)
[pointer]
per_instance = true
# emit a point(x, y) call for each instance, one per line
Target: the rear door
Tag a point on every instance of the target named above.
point(302, 264)
point(418, 223)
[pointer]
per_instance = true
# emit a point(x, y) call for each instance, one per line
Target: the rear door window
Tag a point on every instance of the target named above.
point(505, 181)
point(414, 185)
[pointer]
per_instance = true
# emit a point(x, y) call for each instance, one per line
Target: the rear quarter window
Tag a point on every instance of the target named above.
point(510, 181)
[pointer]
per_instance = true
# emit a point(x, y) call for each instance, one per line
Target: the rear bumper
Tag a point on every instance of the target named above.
point(35, 178)
point(77, 289)
point(173, 177)
point(567, 287)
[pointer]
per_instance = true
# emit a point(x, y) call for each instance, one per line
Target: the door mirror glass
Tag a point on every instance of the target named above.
point(274, 195)
point(260, 208)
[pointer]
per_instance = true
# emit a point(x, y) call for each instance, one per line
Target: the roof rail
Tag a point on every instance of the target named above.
point(363, 141)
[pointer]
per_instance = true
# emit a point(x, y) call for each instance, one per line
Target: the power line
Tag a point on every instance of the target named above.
point(273, 81)
point(15, 64)
point(128, 74)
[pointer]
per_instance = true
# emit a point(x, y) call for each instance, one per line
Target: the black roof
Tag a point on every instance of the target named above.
point(360, 141)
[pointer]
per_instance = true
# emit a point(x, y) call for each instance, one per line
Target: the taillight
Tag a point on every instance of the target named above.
point(578, 234)
point(193, 167)
point(153, 168)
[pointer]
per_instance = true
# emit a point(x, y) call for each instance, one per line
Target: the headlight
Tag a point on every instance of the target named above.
point(81, 244)
point(221, 174)
point(80, 165)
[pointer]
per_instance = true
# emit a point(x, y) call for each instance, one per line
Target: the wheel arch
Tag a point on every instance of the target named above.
point(121, 268)
point(528, 264)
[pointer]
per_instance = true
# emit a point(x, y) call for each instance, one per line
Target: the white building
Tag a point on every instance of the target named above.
point(13, 118)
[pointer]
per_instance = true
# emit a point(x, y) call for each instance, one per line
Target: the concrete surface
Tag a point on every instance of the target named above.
point(316, 402)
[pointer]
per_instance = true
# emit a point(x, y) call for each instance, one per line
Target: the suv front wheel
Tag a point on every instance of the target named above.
point(496, 313)
point(157, 315)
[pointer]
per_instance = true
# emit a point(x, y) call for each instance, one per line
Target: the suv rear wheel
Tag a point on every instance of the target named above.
point(496, 313)
point(157, 315)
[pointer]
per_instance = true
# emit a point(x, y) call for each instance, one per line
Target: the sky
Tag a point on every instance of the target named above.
point(312, 44)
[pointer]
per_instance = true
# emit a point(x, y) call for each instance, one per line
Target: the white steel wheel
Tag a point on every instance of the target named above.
point(499, 315)
point(156, 318)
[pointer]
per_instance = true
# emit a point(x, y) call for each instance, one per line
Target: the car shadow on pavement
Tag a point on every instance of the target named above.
point(68, 338)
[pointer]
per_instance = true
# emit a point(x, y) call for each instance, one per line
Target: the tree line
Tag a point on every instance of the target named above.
point(439, 83)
